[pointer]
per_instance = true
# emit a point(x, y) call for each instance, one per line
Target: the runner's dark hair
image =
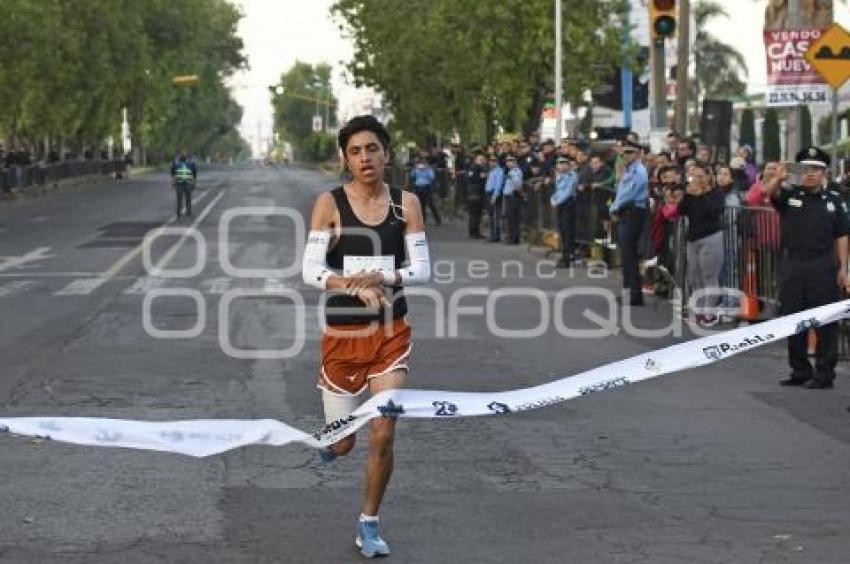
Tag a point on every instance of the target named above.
point(363, 123)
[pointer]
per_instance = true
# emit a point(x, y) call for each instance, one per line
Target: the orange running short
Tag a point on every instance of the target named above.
point(350, 361)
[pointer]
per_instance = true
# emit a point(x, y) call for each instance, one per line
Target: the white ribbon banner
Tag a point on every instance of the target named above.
point(205, 437)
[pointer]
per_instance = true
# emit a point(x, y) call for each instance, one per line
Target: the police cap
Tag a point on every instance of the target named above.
point(813, 156)
point(631, 146)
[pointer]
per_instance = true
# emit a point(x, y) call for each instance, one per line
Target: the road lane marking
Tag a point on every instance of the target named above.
point(219, 286)
point(40, 253)
point(81, 287)
point(273, 285)
point(10, 288)
point(144, 284)
point(49, 275)
point(172, 252)
point(122, 262)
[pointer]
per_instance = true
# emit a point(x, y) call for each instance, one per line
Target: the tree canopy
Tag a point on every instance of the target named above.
point(68, 67)
point(721, 70)
point(445, 65)
point(305, 89)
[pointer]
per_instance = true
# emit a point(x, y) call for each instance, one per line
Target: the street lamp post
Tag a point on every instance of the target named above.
point(327, 110)
point(558, 77)
point(317, 84)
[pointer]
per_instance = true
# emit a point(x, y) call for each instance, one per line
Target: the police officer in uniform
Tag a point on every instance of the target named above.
point(184, 177)
point(476, 179)
point(815, 226)
point(630, 209)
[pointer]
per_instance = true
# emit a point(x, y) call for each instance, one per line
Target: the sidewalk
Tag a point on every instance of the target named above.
point(36, 191)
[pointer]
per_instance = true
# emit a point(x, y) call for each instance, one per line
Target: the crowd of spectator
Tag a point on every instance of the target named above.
point(717, 195)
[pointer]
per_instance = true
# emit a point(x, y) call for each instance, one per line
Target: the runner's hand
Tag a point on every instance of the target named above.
point(373, 298)
point(363, 280)
point(843, 281)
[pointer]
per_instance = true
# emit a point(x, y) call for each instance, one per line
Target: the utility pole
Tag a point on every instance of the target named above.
point(659, 85)
point(626, 78)
point(794, 120)
point(326, 125)
point(558, 77)
point(683, 55)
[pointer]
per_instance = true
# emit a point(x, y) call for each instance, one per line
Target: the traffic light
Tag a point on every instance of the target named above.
point(662, 19)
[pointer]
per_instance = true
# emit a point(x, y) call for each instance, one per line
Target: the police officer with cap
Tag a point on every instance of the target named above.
point(630, 208)
point(815, 226)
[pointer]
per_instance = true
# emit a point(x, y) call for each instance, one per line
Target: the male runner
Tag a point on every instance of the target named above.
point(363, 229)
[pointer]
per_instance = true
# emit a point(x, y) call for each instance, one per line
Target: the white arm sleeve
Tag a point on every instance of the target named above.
point(314, 268)
point(418, 270)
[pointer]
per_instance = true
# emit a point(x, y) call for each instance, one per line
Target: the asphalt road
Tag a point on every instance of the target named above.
point(712, 465)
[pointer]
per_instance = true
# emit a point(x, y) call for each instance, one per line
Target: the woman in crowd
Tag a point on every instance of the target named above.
point(765, 228)
point(740, 176)
point(703, 205)
point(751, 170)
point(733, 201)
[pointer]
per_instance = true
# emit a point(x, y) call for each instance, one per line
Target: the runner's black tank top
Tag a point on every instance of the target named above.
point(390, 233)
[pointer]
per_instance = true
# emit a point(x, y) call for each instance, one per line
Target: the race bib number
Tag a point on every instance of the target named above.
point(353, 264)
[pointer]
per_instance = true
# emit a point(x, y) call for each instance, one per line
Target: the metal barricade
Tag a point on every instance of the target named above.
point(40, 174)
point(751, 242)
point(539, 222)
point(594, 227)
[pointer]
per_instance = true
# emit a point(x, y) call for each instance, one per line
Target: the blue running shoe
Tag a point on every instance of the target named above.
point(327, 455)
point(368, 540)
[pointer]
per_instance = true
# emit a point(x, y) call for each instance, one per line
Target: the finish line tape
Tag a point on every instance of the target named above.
point(205, 437)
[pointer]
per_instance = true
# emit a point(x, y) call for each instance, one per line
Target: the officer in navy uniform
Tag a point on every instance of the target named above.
point(813, 267)
point(476, 179)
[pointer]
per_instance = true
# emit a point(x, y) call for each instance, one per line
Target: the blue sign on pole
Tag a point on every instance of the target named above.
point(627, 82)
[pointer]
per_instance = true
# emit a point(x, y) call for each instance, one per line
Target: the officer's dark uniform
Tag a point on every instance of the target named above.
point(462, 164)
point(584, 202)
point(476, 179)
point(812, 220)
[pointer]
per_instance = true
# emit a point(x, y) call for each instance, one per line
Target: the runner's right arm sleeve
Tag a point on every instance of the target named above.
point(314, 268)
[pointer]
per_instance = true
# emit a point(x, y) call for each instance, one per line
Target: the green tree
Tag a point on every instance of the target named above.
point(305, 88)
point(67, 67)
point(748, 128)
point(318, 147)
point(720, 69)
point(462, 59)
point(771, 147)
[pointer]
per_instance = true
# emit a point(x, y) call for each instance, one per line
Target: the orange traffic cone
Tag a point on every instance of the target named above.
point(750, 303)
point(812, 342)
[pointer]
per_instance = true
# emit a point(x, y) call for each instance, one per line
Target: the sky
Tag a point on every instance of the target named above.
point(276, 33)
